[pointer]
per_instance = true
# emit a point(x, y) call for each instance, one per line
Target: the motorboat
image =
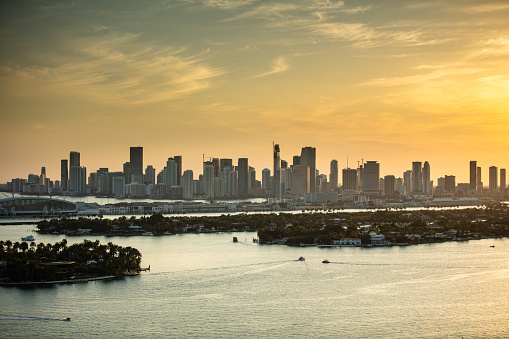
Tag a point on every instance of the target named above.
point(28, 238)
point(301, 259)
point(325, 261)
point(147, 233)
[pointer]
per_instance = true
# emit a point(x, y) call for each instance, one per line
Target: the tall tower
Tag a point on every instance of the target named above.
point(178, 160)
point(188, 184)
point(136, 164)
point(308, 158)
point(371, 178)
point(74, 159)
point(333, 176)
point(208, 177)
point(417, 177)
point(473, 175)
point(64, 174)
point(277, 171)
point(426, 182)
point(493, 178)
point(503, 177)
point(243, 177)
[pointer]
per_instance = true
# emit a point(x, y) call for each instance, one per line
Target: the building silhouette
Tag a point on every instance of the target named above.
point(308, 158)
point(136, 164)
point(333, 176)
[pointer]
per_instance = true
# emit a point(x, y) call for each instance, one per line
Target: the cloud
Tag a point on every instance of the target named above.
point(486, 8)
point(357, 10)
point(112, 68)
point(279, 65)
point(276, 10)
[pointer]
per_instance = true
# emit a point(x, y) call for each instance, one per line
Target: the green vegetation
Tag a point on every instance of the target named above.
point(40, 262)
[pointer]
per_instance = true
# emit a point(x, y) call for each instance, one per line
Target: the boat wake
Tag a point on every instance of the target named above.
point(34, 318)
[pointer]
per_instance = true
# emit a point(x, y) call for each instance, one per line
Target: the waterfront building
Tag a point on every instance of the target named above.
point(208, 181)
point(417, 177)
point(473, 175)
point(35, 206)
point(407, 180)
point(277, 172)
point(371, 178)
point(64, 174)
point(503, 177)
point(243, 177)
point(77, 180)
point(333, 176)
point(308, 158)
point(188, 184)
point(136, 190)
point(426, 179)
point(136, 164)
point(119, 189)
point(493, 173)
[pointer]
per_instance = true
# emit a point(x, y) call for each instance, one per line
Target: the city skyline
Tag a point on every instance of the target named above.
point(392, 82)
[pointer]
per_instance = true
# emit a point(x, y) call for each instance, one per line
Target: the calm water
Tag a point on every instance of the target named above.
point(207, 286)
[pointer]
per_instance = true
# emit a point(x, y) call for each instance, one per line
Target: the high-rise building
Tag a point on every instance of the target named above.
point(208, 180)
point(150, 175)
point(284, 164)
point(178, 161)
point(226, 162)
point(243, 175)
point(349, 181)
point(503, 177)
point(417, 177)
point(371, 178)
point(77, 180)
point(301, 182)
point(136, 164)
point(333, 176)
point(64, 174)
point(74, 159)
point(479, 188)
point(234, 183)
point(119, 187)
point(127, 172)
point(170, 176)
point(493, 178)
point(266, 181)
point(407, 180)
point(225, 174)
point(308, 158)
point(216, 164)
point(277, 172)
point(426, 179)
point(450, 183)
point(389, 185)
point(188, 184)
point(296, 160)
point(473, 175)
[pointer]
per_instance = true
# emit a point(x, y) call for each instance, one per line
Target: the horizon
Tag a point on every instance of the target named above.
point(390, 82)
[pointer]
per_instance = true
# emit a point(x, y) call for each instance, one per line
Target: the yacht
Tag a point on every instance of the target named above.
point(28, 238)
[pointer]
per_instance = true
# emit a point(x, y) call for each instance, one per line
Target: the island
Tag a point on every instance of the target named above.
point(381, 227)
point(22, 263)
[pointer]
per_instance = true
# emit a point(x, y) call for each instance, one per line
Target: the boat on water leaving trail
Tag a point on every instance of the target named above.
point(28, 238)
point(301, 259)
point(325, 261)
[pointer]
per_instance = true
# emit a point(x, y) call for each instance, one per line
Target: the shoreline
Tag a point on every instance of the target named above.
point(58, 282)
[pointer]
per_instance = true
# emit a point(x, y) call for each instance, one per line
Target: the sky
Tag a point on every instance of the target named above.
point(391, 81)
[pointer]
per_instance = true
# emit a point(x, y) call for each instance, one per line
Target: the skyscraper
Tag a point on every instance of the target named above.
point(266, 179)
point(407, 179)
point(308, 158)
point(493, 178)
point(371, 178)
point(136, 164)
point(426, 182)
point(450, 183)
point(503, 177)
point(277, 172)
point(243, 177)
point(473, 175)
point(74, 159)
point(349, 181)
point(150, 175)
point(64, 174)
point(208, 179)
point(417, 177)
point(226, 162)
point(188, 184)
point(389, 184)
point(178, 160)
point(333, 176)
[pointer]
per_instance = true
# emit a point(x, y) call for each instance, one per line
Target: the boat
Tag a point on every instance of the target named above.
point(235, 239)
point(492, 246)
point(301, 259)
point(147, 233)
point(28, 238)
point(325, 261)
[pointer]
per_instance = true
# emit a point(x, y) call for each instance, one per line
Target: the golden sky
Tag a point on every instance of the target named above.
point(392, 81)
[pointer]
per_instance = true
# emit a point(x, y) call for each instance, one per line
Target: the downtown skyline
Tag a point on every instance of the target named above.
point(392, 82)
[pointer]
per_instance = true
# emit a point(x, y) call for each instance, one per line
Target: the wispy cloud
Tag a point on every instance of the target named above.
point(357, 10)
point(487, 7)
point(113, 68)
point(279, 65)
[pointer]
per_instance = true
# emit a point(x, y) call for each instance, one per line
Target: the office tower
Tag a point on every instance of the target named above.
point(301, 181)
point(266, 179)
point(503, 177)
point(178, 160)
point(389, 185)
point(218, 188)
point(493, 178)
point(277, 172)
point(77, 179)
point(188, 184)
point(170, 173)
point(136, 164)
point(226, 162)
point(284, 164)
point(252, 178)
point(119, 187)
point(450, 183)
point(243, 175)
point(473, 175)
point(234, 183)
point(64, 174)
point(225, 174)
point(350, 181)
point(208, 181)
point(74, 159)
point(426, 182)
point(333, 176)
point(215, 163)
point(150, 176)
point(127, 172)
point(296, 160)
point(371, 178)
point(288, 179)
point(417, 177)
point(308, 158)
point(407, 180)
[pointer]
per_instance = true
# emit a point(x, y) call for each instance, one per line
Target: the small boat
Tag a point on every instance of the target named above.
point(28, 238)
point(325, 261)
point(235, 239)
point(301, 259)
point(147, 233)
point(492, 246)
